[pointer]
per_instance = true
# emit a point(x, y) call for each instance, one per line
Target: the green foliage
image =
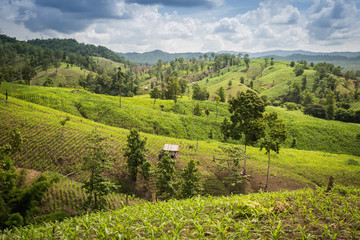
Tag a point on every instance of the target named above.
point(253, 216)
point(135, 155)
point(199, 93)
point(245, 111)
point(221, 94)
point(96, 161)
point(190, 180)
point(230, 162)
point(330, 106)
point(28, 73)
point(274, 135)
point(352, 162)
point(197, 110)
point(165, 171)
point(291, 106)
point(299, 69)
point(17, 203)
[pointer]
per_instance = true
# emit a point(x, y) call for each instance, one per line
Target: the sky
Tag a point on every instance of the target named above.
point(189, 25)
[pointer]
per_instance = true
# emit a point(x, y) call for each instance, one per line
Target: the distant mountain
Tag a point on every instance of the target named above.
point(153, 56)
point(349, 60)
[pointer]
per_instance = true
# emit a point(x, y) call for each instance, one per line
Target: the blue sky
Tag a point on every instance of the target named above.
point(189, 25)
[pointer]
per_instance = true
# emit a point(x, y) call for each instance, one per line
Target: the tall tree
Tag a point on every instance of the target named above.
point(135, 156)
point(330, 106)
point(120, 79)
point(155, 93)
point(28, 73)
point(246, 112)
point(221, 94)
point(230, 162)
point(96, 161)
point(190, 180)
point(165, 177)
point(247, 60)
point(274, 135)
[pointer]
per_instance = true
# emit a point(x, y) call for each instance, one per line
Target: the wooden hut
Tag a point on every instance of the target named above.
point(171, 149)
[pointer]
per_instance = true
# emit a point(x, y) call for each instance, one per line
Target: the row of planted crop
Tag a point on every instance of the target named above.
point(302, 214)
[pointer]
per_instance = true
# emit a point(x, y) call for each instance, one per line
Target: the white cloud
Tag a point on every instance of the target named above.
point(327, 26)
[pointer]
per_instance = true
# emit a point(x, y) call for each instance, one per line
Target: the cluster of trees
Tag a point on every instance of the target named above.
point(248, 121)
point(18, 202)
point(171, 88)
point(323, 100)
point(47, 53)
point(97, 162)
point(111, 83)
point(165, 172)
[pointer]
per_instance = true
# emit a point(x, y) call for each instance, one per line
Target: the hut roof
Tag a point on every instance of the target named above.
point(171, 147)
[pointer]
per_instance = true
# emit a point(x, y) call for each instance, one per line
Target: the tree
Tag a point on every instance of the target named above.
point(299, 70)
point(303, 83)
point(247, 60)
point(155, 93)
point(292, 64)
point(274, 135)
point(135, 156)
point(246, 111)
point(197, 110)
point(242, 80)
point(28, 73)
point(231, 164)
point(96, 162)
point(18, 203)
point(165, 176)
point(190, 180)
point(120, 79)
point(199, 93)
point(330, 106)
point(63, 122)
point(221, 94)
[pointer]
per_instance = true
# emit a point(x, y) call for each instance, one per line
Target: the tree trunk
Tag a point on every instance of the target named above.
point(267, 175)
point(244, 173)
point(120, 97)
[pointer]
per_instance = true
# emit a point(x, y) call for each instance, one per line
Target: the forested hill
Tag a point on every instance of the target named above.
point(153, 56)
point(71, 45)
point(348, 60)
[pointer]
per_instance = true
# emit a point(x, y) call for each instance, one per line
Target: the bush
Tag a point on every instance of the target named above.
point(315, 110)
point(291, 106)
point(352, 162)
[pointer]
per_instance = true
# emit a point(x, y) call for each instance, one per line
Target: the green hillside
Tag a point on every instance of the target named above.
point(51, 148)
point(140, 112)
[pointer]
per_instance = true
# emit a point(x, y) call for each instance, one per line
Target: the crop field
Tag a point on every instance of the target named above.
point(53, 148)
point(301, 214)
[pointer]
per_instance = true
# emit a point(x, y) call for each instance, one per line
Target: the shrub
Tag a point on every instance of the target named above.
point(352, 162)
point(315, 110)
point(291, 106)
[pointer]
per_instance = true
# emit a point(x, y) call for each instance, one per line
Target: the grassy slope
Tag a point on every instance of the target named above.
point(300, 214)
point(48, 148)
point(138, 112)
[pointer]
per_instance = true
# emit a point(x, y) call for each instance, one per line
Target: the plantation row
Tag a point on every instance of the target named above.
point(68, 197)
point(300, 214)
